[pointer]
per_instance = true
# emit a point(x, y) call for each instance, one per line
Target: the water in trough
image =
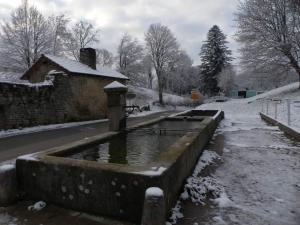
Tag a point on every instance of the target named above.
point(137, 147)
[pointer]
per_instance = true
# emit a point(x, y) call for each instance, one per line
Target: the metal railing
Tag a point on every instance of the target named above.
point(285, 110)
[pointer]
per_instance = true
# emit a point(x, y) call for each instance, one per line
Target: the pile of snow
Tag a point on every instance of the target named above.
point(198, 188)
point(38, 206)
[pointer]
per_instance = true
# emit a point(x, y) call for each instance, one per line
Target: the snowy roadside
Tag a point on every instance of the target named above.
point(28, 130)
point(289, 92)
point(254, 181)
point(197, 187)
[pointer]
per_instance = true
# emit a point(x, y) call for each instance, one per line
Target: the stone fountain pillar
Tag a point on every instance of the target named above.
point(116, 102)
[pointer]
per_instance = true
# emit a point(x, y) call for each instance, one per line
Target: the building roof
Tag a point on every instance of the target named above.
point(115, 86)
point(77, 67)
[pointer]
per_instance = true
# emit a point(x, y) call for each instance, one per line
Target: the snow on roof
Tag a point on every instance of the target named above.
point(115, 84)
point(14, 78)
point(78, 67)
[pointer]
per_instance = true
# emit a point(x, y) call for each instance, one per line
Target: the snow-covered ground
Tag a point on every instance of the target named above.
point(146, 96)
point(291, 93)
point(284, 94)
point(249, 174)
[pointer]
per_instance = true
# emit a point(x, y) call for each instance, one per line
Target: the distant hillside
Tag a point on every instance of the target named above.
point(146, 96)
point(291, 90)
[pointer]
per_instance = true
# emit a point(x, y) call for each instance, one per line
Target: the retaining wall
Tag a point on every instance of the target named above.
point(285, 128)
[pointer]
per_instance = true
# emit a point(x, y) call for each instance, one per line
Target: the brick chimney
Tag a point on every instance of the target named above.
point(88, 57)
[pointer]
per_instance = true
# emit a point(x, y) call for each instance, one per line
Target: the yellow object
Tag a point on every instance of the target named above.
point(195, 95)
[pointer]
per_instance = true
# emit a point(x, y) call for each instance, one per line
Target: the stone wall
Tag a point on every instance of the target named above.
point(24, 105)
point(67, 98)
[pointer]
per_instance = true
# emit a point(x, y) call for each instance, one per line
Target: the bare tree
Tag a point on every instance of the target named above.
point(130, 53)
point(25, 38)
point(104, 57)
point(82, 34)
point(270, 33)
point(162, 47)
point(59, 33)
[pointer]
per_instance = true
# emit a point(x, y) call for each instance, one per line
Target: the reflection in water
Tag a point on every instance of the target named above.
point(139, 146)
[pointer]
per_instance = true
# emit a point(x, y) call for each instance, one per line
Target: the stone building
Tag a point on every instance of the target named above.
point(56, 90)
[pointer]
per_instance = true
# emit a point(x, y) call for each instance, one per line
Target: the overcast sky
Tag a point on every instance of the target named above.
point(189, 20)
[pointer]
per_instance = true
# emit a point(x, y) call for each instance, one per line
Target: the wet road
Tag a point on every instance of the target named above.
point(11, 147)
point(259, 169)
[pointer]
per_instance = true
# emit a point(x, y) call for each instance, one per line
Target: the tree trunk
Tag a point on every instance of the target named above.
point(160, 89)
point(294, 64)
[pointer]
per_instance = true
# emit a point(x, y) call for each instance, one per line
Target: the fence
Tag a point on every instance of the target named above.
point(284, 110)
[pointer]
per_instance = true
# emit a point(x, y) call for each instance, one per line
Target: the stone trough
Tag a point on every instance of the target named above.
point(114, 184)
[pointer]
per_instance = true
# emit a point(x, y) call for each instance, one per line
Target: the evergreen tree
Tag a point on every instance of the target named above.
point(215, 56)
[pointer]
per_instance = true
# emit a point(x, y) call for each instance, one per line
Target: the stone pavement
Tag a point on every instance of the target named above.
point(259, 170)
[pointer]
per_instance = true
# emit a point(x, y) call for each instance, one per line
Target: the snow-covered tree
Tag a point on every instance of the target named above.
point(180, 75)
point(269, 31)
point(104, 57)
point(148, 66)
point(226, 79)
point(83, 34)
point(60, 34)
point(130, 54)
point(162, 46)
point(24, 38)
point(215, 56)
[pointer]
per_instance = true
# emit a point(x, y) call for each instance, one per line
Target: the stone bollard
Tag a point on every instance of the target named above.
point(8, 185)
point(116, 102)
point(154, 207)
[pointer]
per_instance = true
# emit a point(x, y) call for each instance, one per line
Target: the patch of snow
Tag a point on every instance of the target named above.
point(175, 213)
point(206, 159)
point(154, 191)
point(37, 206)
point(6, 219)
point(15, 78)
point(155, 171)
point(223, 201)
point(275, 92)
point(28, 130)
point(7, 167)
point(218, 220)
point(154, 109)
point(28, 157)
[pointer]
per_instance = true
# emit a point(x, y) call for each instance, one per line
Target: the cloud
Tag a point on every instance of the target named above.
point(189, 20)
